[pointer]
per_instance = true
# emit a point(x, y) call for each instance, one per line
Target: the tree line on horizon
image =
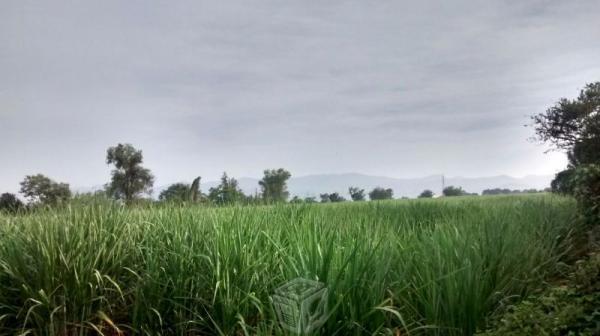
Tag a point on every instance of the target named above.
point(130, 182)
point(571, 125)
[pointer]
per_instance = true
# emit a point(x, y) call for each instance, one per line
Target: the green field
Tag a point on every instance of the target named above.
point(434, 267)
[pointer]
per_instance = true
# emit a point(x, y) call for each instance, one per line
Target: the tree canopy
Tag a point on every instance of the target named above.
point(129, 179)
point(10, 203)
point(454, 191)
point(227, 192)
point(274, 185)
point(426, 194)
point(379, 193)
point(573, 125)
point(356, 194)
point(43, 190)
point(177, 192)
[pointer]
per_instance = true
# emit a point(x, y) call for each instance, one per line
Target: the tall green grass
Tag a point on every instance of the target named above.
point(434, 267)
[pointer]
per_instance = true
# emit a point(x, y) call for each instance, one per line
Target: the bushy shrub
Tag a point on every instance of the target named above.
point(569, 308)
point(10, 203)
point(586, 188)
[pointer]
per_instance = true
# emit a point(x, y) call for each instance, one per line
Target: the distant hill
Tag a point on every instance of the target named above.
point(313, 185)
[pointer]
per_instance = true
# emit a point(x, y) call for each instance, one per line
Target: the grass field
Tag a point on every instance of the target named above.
point(435, 267)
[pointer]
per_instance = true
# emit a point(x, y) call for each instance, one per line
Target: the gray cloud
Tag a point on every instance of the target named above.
point(378, 87)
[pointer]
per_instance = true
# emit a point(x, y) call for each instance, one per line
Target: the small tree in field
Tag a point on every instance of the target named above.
point(381, 194)
point(453, 191)
point(336, 197)
point(426, 194)
point(227, 192)
point(331, 198)
point(129, 179)
point(356, 194)
point(177, 192)
point(274, 185)
point(42, 190)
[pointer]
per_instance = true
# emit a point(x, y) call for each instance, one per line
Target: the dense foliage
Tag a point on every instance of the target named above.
point(426, 194)
point(227, 192)
point(357, 194)
point(10, 203)
point(569, 307)
point(453, 191)
point(129, 179)
point(274, 185)
point(176, 192)
point(42, 190)
point(379, 193)
point(573, 125)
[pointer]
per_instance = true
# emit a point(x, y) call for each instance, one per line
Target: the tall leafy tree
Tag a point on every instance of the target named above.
point(356, 194)
point(274, 185)
point(227, 192)
point(573, 125)
point(129, 179)
point(379, 193)
point(43, 190)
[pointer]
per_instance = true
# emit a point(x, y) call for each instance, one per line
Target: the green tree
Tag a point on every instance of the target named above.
point(573, 125)
point(10, 203)
point(356, 194)
point(129, 179)
point(335, 197)
point(563, 182)
point(177, 192)
point(274, 185)
point(379, 193)
point(426, 194)
point(453, 191)
point(41, 189)
point(331, 198)
point(227, 192)
point(310, 200)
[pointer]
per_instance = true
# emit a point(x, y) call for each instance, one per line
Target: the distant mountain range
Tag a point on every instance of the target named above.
point(313, 185)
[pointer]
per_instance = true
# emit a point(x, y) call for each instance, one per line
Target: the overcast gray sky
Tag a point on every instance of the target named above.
point(392, 88)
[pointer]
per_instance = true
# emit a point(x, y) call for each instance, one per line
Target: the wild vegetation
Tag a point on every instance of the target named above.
point(435, 267)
